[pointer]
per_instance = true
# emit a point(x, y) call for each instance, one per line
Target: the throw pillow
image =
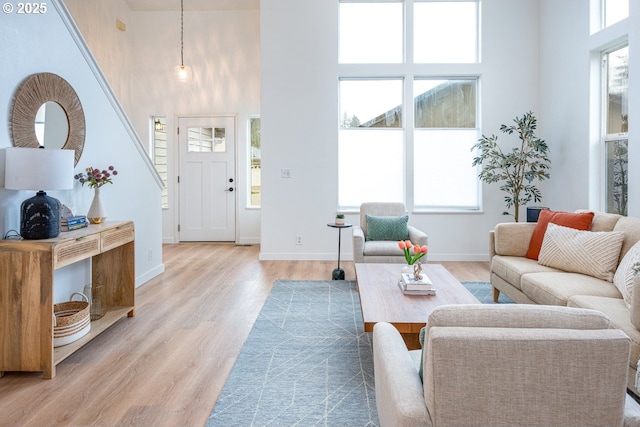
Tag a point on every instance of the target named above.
point(594, 253)
point(387, 227)
point(623, 279)
point(579, 221)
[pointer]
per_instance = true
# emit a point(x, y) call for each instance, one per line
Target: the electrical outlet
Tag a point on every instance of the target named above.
point(150, 254)
point(285, 173)
point(298, 240)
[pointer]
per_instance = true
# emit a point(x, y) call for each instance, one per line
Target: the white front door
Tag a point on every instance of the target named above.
point(207, 179)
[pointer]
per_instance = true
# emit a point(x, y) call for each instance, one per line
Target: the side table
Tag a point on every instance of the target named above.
point(338, 273)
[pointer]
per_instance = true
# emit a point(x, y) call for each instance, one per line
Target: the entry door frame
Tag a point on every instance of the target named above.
point(176, 148)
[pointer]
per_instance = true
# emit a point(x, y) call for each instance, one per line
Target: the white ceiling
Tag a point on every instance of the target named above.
point(192, 5)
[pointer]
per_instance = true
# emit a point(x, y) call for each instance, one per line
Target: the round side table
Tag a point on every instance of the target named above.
point(338, 273)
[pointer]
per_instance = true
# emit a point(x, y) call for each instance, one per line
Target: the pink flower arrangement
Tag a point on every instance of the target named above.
point(96, 178)
point(418, 251)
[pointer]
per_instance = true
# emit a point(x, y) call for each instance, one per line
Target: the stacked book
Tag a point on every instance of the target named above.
point(411, 286)
point(69, 223)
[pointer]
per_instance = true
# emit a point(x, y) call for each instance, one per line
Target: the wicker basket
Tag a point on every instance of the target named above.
point(71, 320)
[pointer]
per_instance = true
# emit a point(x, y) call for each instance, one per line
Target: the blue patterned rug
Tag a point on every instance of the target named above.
point(307, 360)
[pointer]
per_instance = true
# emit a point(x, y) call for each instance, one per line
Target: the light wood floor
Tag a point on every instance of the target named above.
point(168, 364)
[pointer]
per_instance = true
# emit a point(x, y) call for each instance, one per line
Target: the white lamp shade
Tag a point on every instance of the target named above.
point(38, 169)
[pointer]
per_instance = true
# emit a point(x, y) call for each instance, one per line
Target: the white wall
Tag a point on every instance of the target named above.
point(222, 48)
point(42, 43)
point(300, 115)
point(570, 101)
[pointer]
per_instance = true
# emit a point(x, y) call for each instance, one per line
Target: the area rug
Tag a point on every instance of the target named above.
point(484, 293)
point(307, 361)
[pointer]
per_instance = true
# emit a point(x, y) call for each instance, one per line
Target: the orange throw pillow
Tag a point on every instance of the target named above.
point(579, 221)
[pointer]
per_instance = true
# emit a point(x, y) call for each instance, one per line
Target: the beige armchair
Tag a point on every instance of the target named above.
point(511, 365)
point(383, 251)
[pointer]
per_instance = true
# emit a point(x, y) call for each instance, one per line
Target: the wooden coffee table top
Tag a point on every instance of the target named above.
point(382, 299)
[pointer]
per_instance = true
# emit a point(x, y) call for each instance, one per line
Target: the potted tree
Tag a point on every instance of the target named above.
point(518, 168)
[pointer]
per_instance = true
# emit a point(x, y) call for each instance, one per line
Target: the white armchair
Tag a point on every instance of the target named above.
point(508, 365)
point(382, 251)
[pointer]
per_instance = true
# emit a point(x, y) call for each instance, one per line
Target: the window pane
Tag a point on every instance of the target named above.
point(256, 164)
point(444, 103)
point(443, 175)
point(371, 33)
point(220, 140)
point(160, 154)
point(199, 140)
point(371, 103)
point(370, 166)
point(617, 176)
point(445, 32)
point(615, 10)
point(618, 91)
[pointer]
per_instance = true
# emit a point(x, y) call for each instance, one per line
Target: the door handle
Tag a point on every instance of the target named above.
point(229, 189)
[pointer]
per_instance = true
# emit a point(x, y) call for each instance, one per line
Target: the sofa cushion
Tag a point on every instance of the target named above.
point(557, 287)
point(618, 313)
point(603, 221)
point(382, 248)
point(594, 253)
point(626, 273)
point(387, 227)
point(579, 221)
point(511, 268)
point(631, 228)
point(512, 238)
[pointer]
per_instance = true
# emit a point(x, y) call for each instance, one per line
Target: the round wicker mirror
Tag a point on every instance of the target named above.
point(33, 92)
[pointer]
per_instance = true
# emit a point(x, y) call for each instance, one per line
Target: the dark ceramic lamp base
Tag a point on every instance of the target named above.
point(40, 217)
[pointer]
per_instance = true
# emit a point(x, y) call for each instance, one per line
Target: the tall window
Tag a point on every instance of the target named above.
point(616, 138)
point(445, 130)
point(371, 149)
point(406, 135)
point(445, 32)
point(255, 165)
point(614, 11)
point(371, 32)
point(159, 154)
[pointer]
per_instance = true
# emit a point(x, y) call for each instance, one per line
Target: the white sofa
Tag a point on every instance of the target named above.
point(525, 281)
point(507, 365)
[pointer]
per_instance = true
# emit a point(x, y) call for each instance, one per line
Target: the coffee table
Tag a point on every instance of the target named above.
point(382, 300)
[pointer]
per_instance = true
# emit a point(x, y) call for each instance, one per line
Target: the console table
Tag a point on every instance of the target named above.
point(26, 291)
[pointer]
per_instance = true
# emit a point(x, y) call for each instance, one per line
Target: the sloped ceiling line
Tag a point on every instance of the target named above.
point(104, 84)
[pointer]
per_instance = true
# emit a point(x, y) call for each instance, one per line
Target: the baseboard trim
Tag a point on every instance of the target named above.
point(144, 278)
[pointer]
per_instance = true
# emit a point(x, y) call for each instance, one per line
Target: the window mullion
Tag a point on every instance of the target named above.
point(409, 127)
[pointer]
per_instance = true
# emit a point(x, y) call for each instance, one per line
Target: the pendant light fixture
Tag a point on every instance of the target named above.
point(182, 73)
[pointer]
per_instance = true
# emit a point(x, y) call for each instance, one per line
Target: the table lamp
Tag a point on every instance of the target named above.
point(39, 169)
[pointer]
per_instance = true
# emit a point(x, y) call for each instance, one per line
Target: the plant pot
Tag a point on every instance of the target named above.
point(339, 221)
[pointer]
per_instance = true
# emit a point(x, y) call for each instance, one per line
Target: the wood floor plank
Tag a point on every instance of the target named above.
point(167, 365)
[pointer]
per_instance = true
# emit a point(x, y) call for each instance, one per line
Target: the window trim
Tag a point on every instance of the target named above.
point(605, 137)
point(152, 157)
point(248, 203)
point(407, 72)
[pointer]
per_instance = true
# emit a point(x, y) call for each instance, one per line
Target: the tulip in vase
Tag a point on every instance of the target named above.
point(413, 261)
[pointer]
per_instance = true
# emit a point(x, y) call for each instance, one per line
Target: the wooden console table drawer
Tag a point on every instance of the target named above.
point(75, 250)
point(26, 291)
point(116, 236)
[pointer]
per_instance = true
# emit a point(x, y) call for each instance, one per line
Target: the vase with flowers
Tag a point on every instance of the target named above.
point(96, 178)
point(413, 260)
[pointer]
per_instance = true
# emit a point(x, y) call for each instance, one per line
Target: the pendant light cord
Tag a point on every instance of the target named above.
point(182, 32)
